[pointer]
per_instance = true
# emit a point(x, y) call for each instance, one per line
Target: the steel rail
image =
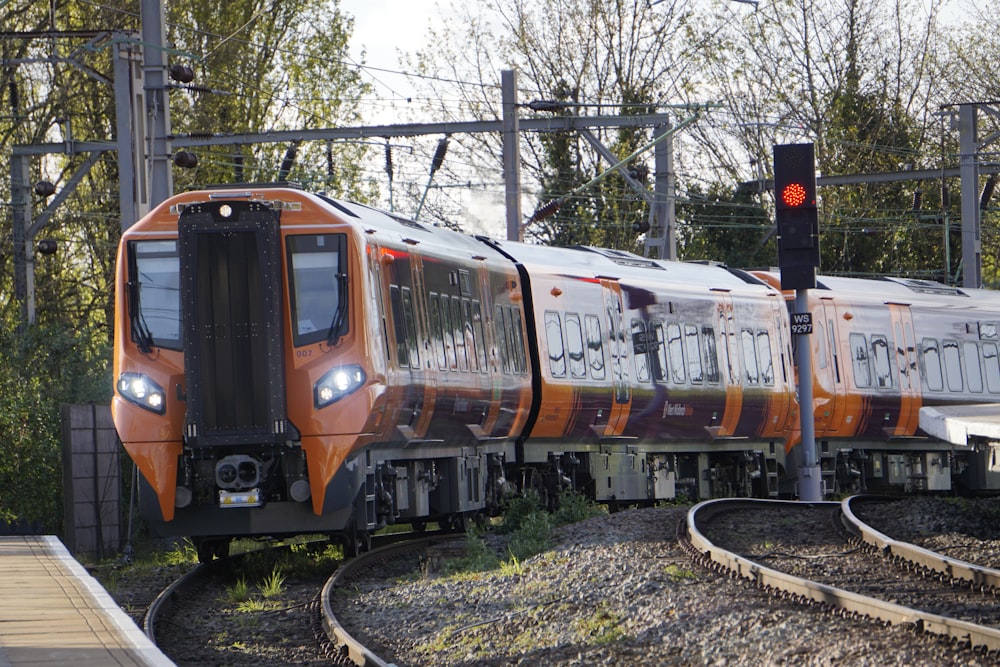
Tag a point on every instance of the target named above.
point(345, 643)
point(957, 570)
point(888, 612)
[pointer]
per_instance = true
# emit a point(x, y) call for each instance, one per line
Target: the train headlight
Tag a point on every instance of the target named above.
point(336, 384)
point(141, 390)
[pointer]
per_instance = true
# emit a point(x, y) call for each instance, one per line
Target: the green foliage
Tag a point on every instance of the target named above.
point(600, 628)
point(39, 371)
point(725, 226)
point(239, 591)
point(273, 584)
point(183, 552)
point(574, 507)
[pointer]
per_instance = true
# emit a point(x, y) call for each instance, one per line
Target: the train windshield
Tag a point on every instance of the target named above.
point(317, 276)
point(154, 294)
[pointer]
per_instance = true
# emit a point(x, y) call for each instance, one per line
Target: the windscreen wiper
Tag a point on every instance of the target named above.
point(140, 330)
point(334, 334)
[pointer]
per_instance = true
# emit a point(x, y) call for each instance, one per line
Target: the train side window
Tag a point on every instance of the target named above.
point(470, 335)
point(640, 350)
point(833, 350)
point(901, 363)
point(703, 365)
point(862, 365)
point(520, 364)
point(595, 347)
point(435, 323)
point(750, 370)
point(931, 356)
point(821, 351)
point(396, 303)
point(882, 363)
point(764, 357)
point(952, 365)
point(992, 363)
point(479, 335)
point(973, 368)
point(554, 342)
point(448, 333)
point(675, 346)
point(461, 351)
point(659, 358)
point(411, 330)
point(574, 346)
point(500, 326)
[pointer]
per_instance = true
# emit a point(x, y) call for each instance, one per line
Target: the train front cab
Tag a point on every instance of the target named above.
point(234, 446)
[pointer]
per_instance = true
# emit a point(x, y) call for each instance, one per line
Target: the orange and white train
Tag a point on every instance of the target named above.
point(289, 363)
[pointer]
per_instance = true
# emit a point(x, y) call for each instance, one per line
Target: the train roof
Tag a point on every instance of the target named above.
point(580, 261)
point(592, 262)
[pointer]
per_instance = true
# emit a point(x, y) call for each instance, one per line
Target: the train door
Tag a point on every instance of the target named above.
point(618, 349)
point(780, 407)
point(731, 367)
point(830, 391)
point(394, 277)
point(425, 373)
point(909, 373)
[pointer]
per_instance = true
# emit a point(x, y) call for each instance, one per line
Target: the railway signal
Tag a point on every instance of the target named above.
point(798, 258)
point(795, 215)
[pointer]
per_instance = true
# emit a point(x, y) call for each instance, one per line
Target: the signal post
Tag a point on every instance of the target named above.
point(797, 224)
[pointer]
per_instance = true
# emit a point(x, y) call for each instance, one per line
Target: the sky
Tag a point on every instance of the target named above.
point(384, 28)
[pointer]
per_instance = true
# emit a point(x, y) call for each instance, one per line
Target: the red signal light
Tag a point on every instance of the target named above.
point(793, 195)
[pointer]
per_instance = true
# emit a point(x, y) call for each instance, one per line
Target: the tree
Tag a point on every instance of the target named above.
point(726, 226)
point(859, 79)
point(626, 55)
point(55, 85)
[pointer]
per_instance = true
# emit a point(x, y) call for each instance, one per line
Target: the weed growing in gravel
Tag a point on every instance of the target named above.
point(254, 605)
point(678, 573)
point(512, 567)
point(238, 592)
point(271, 587)
point(183, 552)
point(601, 628)
point(529, 528)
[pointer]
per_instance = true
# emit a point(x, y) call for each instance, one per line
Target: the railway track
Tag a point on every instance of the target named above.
point(351, 650)
point(823, 553)
point(168, 618)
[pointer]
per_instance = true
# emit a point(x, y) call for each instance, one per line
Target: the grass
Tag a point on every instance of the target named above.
point(272, 585)
point(239, 592)
point(600, 628)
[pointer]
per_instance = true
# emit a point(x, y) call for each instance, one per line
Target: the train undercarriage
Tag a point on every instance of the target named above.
point(237, 492)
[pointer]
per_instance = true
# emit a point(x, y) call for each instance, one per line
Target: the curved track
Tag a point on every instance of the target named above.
point(348, 647)
point(845, 601)
point(958, 571)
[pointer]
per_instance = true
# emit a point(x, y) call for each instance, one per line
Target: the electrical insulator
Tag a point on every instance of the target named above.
point(439, 154)
point(46, 246)
point(181, 73)
point(546, 211)
point(640, 227)
point(44, 189)
point(987, 194)
point(185, 159)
